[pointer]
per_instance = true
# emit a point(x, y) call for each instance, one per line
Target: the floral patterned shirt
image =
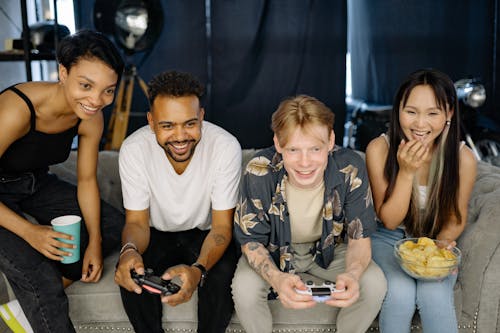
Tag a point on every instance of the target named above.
point(262, 213)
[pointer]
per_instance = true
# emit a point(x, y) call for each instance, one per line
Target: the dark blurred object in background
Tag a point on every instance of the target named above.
point(42, 35)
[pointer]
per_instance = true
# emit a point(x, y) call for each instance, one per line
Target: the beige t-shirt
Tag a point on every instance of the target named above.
point(305, 207)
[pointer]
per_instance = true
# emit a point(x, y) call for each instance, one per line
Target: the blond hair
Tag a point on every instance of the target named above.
point(300, 111)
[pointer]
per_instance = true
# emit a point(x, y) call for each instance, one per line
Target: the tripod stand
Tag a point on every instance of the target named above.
point(118, 123)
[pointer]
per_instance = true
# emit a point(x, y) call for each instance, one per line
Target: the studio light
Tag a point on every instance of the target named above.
point(471, 92)
point(137, 27)
point(134, 24)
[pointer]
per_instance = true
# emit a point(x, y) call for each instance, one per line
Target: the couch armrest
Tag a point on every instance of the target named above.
point(479, 244)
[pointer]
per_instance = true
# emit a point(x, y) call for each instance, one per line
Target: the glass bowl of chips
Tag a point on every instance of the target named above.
point(427, 259)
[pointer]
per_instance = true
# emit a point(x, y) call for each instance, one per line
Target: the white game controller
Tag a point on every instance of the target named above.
point(319, 292)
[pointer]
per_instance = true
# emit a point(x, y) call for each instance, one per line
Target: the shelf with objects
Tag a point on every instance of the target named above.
point(39, 40)
point(17, 55)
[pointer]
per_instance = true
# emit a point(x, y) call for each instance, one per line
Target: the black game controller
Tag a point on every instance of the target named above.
point(154, 284)
point(321, 292)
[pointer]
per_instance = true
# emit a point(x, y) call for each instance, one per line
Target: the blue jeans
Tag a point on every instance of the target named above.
point(433, 299)
point(35, 279)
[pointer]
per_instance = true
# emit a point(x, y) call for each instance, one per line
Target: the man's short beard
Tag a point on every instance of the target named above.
point(172, 156)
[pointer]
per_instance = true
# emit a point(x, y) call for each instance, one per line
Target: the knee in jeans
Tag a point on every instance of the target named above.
point(72, 271)
point(401, 296)
point(437, 298)
point(401, 288)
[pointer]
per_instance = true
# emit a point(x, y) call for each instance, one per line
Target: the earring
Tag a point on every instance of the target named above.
point(448, 122)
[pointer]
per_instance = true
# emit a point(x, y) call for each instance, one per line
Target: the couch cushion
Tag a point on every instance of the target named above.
point(100, 303)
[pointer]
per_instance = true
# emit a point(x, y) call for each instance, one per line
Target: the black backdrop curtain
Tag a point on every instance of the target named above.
point(388, 39)
point(253, 54)
point(263, 51)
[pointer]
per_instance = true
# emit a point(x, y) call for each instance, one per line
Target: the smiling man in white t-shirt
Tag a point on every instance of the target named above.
point(180, 178)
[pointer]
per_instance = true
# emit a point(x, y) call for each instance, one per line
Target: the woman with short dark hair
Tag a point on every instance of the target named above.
point(38, 121)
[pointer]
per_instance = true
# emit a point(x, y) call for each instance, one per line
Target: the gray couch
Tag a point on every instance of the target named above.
point(98, 308)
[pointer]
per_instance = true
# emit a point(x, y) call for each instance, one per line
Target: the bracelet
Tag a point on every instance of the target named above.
point(203, 271)
point(128, 246)
point(128, 249)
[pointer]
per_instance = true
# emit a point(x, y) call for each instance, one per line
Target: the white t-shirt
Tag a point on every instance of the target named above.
point(180, 202)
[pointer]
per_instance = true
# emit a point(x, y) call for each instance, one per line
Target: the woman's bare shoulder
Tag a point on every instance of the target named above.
point(14, 119)
point(39, 92)
point(468, 161)
point(13, 109)
point(377, 146)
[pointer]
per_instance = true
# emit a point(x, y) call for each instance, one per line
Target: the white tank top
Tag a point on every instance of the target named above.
point(422, 196)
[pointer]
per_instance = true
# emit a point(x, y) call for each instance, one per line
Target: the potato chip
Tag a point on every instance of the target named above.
point(409, 245)
point(425, 241)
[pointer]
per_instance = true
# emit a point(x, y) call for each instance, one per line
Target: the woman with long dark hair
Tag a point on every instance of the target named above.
point(421, 177)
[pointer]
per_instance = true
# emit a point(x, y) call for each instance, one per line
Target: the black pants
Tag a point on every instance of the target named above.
point(35, 279)
point(166, 249)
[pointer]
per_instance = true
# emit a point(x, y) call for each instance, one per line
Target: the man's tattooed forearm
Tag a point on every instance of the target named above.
point(261, 261)
point(261, 267)
point(264, 269)
point(219, 239)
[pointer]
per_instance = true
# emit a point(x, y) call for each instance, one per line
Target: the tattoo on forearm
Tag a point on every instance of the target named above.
point(261, 261)
point(219, 239)
point(265, 270)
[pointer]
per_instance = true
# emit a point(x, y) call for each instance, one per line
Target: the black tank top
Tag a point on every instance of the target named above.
point(36, 151)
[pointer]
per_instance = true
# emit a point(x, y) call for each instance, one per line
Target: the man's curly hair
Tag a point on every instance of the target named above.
point(175, 84)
